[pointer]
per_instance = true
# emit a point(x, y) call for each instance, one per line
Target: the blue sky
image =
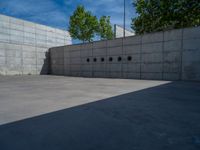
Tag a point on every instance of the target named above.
point(56, 13)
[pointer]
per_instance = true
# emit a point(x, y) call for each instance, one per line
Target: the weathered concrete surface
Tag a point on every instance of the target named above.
point(169, 55)
point(27, 96)
point(103, 114)
point(24, 46)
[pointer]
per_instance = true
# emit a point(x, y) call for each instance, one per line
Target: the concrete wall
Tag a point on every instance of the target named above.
point(119, 32)
point(24, 46)
point(170, 55)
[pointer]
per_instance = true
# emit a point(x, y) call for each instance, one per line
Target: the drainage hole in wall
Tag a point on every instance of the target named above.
point(102, 59)
point(119, 58)
point(94, 59)
point(129, 58)
point(110, 59)
point(88, 60)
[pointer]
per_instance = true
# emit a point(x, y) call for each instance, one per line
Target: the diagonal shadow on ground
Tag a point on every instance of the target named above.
point(162, 117)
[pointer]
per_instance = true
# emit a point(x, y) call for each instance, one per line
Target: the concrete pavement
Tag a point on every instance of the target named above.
point(58, 113)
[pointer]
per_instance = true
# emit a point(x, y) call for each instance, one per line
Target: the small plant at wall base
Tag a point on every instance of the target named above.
point(85, 27)
point(159, 15)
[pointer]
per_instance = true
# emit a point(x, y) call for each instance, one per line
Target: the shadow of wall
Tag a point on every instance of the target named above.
point(46, 67)
point(162, 117)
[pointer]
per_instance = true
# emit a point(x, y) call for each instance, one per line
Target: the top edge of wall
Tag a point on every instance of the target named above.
point(138, 36)
point(163, 36)
point(39, 24)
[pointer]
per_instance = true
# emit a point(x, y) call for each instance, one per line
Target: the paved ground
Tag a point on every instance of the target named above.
point(59, 113)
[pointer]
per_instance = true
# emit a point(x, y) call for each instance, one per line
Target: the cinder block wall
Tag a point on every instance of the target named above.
point(170, 55)
point(24, 46)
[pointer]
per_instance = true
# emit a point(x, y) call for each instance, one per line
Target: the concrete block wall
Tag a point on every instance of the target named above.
point(191, 54)
point(169, 55)
point(24, 46)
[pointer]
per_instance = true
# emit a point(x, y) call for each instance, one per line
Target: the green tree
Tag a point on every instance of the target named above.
point(83, 25)
point(158, 15)
point(105, 28)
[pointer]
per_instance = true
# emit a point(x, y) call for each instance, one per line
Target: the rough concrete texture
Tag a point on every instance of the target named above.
point(169, 55)
point(24, 46)
point(57, 113)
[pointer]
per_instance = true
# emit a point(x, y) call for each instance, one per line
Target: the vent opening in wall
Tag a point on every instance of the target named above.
point(110, 59)
point(102, 59)
point(119, 59)
point(88, 60)
point(94, 59)
point(129, 58)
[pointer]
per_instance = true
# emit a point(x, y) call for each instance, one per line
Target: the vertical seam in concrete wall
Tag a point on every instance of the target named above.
point(93, 57)
point(80, 64)
point(105, 67)
point(21, 53)
point(91, 60)
point(22, 58)
point(36, 59)
point(70, 65)
point(163, 55)
point(122, 65)
point(80, 70)
point(6, 53)
point(63, 65)
point(63, 60)
point(181, 55)
point(35, 50)
point(49, 63)
point(141, 57)
point(106, 61)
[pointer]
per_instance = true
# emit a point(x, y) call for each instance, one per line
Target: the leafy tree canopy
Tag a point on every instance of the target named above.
point(158, 15)
point(83, 25)
point(105, 28)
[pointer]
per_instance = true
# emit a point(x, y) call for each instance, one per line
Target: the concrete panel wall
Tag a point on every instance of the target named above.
point(169, 55)
point(24, 46)
point(191, 54)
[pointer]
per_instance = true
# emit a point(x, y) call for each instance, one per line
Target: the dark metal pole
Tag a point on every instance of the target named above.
point(124, 17)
